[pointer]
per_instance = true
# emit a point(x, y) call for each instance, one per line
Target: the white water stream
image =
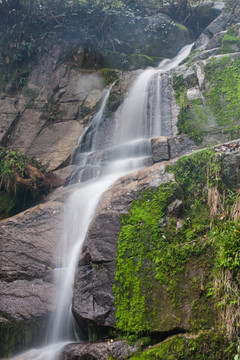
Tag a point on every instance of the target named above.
point(131, 149)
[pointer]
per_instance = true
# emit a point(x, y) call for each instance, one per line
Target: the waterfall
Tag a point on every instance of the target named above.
point(131, 150)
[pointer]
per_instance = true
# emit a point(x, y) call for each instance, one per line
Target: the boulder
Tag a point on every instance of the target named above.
point(118, 349)
point(160, 150)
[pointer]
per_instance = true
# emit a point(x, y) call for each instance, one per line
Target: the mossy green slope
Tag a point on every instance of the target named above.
point(172, 258)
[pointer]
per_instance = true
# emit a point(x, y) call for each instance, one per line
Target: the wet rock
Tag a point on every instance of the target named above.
point(160, 150)
point(119, 350)
point(216, 26)
point(24, 306)
point(180, 145)
point(93, 297)
point(165, 148)
point(24, 300)
point(28, 242)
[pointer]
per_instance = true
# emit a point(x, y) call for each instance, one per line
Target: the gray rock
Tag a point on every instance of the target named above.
point(118, 349)
point(215, 41)
point(216, 26)
point(160, 151)
point(54, 144)
point(180, 145)
point(194, 93)
point(175, 208)
point(28, 242)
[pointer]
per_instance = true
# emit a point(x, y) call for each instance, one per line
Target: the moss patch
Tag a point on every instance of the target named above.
point(224, 93)
point(231, 41)
point(206, 346)
point(192, 119)
point(170, 257)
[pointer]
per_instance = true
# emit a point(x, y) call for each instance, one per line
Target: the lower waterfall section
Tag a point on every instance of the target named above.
point(97, 171)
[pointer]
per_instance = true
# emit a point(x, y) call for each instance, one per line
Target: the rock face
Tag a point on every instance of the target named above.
point(28, 243)
point(47, 118)
point(93, 298)
point(164, 148)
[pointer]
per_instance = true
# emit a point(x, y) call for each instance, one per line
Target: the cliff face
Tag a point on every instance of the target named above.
point(170, 251)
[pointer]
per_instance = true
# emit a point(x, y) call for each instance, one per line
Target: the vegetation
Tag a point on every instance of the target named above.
point(206, 346)
point(231, 41)
point(222, 95)
point(172, 255)
point(22, 181)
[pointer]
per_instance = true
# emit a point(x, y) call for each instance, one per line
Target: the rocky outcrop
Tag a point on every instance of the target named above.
point(27, 256)
point(93, 297)
point(47, 117)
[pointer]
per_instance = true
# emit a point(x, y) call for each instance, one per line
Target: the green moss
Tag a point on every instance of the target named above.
point(192, 119)
point(206, 346)
point(224, 93)
point(161, 265)
point(231, 41)
point(153, 265)
point(137, 244)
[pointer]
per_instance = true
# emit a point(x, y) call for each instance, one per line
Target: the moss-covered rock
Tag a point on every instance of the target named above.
point(215, 110)
point(173, 250)
point(231, 40)
point(203, 346)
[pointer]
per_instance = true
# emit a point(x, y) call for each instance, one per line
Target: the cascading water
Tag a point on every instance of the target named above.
point(139, 121)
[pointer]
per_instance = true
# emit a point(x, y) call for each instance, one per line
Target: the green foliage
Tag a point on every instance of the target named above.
point(206, 346)
point(224, 93)
point(227, 240)
point(192, 174)
point(21, 181)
